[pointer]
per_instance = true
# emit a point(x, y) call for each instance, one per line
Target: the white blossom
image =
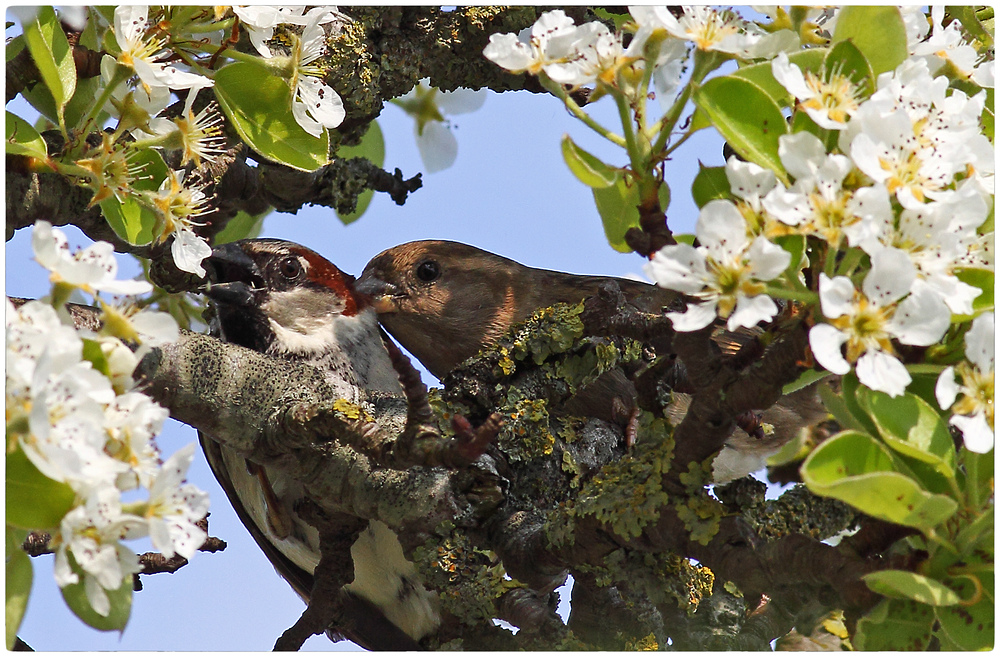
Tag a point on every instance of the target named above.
point(175, 507)
point(725, 273)
point(829, 98)
point(974, 409)
point(315, 104)
point(92, 269)
point(865, 321)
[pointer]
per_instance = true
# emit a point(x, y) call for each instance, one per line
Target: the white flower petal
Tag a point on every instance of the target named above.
point(976, 430)
point(825, 341)
point(679, 267)
point(188, 251)
point(752, 310)
point(891, 276)
point(438, 146)
point(880, 371)
point(722, 230)
point(921, 319)
point(946, 389)
point(836, 295)
point(697, 316)
point(980, 342)
point(767, 259)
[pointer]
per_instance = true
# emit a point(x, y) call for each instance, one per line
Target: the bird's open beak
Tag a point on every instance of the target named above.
point(383, 295)
point(233, 276)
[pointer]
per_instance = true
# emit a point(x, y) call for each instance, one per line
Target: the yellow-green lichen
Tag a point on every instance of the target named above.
point(645, 643)
point(548, 331)
point(469, 580)
point(659, 577)
point(570, 466)
point(525, 433)
point(351, 411)
point(627, 495)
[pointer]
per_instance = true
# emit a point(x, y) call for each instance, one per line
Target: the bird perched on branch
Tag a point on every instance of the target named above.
point(287, 301)
point(446, 301)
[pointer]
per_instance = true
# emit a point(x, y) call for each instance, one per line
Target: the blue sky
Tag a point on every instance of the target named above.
point(509, 192)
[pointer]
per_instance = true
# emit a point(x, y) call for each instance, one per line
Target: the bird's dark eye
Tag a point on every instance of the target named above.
point(290, 268)
point(428, 271)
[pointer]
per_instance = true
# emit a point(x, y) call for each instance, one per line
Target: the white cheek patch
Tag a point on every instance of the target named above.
point(303, 319)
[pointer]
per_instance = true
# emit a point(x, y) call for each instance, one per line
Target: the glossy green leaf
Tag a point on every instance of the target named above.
point(75, 596)
point(709, 184)
point(19, 575)
point(747, 117)
point(618, 207)
point(978, 534)
point(895, 625)
point(22, 139)
point(131, 220)
point(588, 169)
point(14, 47)
point(834, 402)
point(851, 62)
point(93, 353)
point(259, 106)
point(971, 626)
point(967, 15)
point(242, 226)
point(763, 76)
point(854, 468)
point(985, 280)
point(796, 246)
point(53, 56)
point(372, 148)
point(33, 500)
point(849, 386)
point(989, 115)
point(904, 584)
point(911, 426)
point(878, 32)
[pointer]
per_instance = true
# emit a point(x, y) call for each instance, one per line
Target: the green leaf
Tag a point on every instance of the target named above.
point(75, 596)
point(618, 207)
point(854, 468)
point(834, 402)
point(967, 15)
point(19, 576)
point(588, 169)
point(259, 105)
point(372, 148)
point(849, 386)
point(796, 246)
point(978, 534)
point(22, 139)
point(911, 426)
point(92, 353)
point(130, 219)
point(878, 32)
point(989, 115)
point(242, 226)
point(971, 626)
point(895, 625)
point(33, 500)
point(985, 280)
point(747, 117)
point(850, 61)
point(763, 76)
point(53, 56)
point(904, 584)
point(711, 183)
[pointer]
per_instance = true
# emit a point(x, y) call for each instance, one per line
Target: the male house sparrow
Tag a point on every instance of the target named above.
point(445, 301)
point(285, 300)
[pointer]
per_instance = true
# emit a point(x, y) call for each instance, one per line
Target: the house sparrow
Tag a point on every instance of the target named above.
point(446, 301)
point(285, 300)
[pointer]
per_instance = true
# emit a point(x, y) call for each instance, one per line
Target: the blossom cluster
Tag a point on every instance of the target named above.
point(148, 59)
point(891, 203)
point(73, 414)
